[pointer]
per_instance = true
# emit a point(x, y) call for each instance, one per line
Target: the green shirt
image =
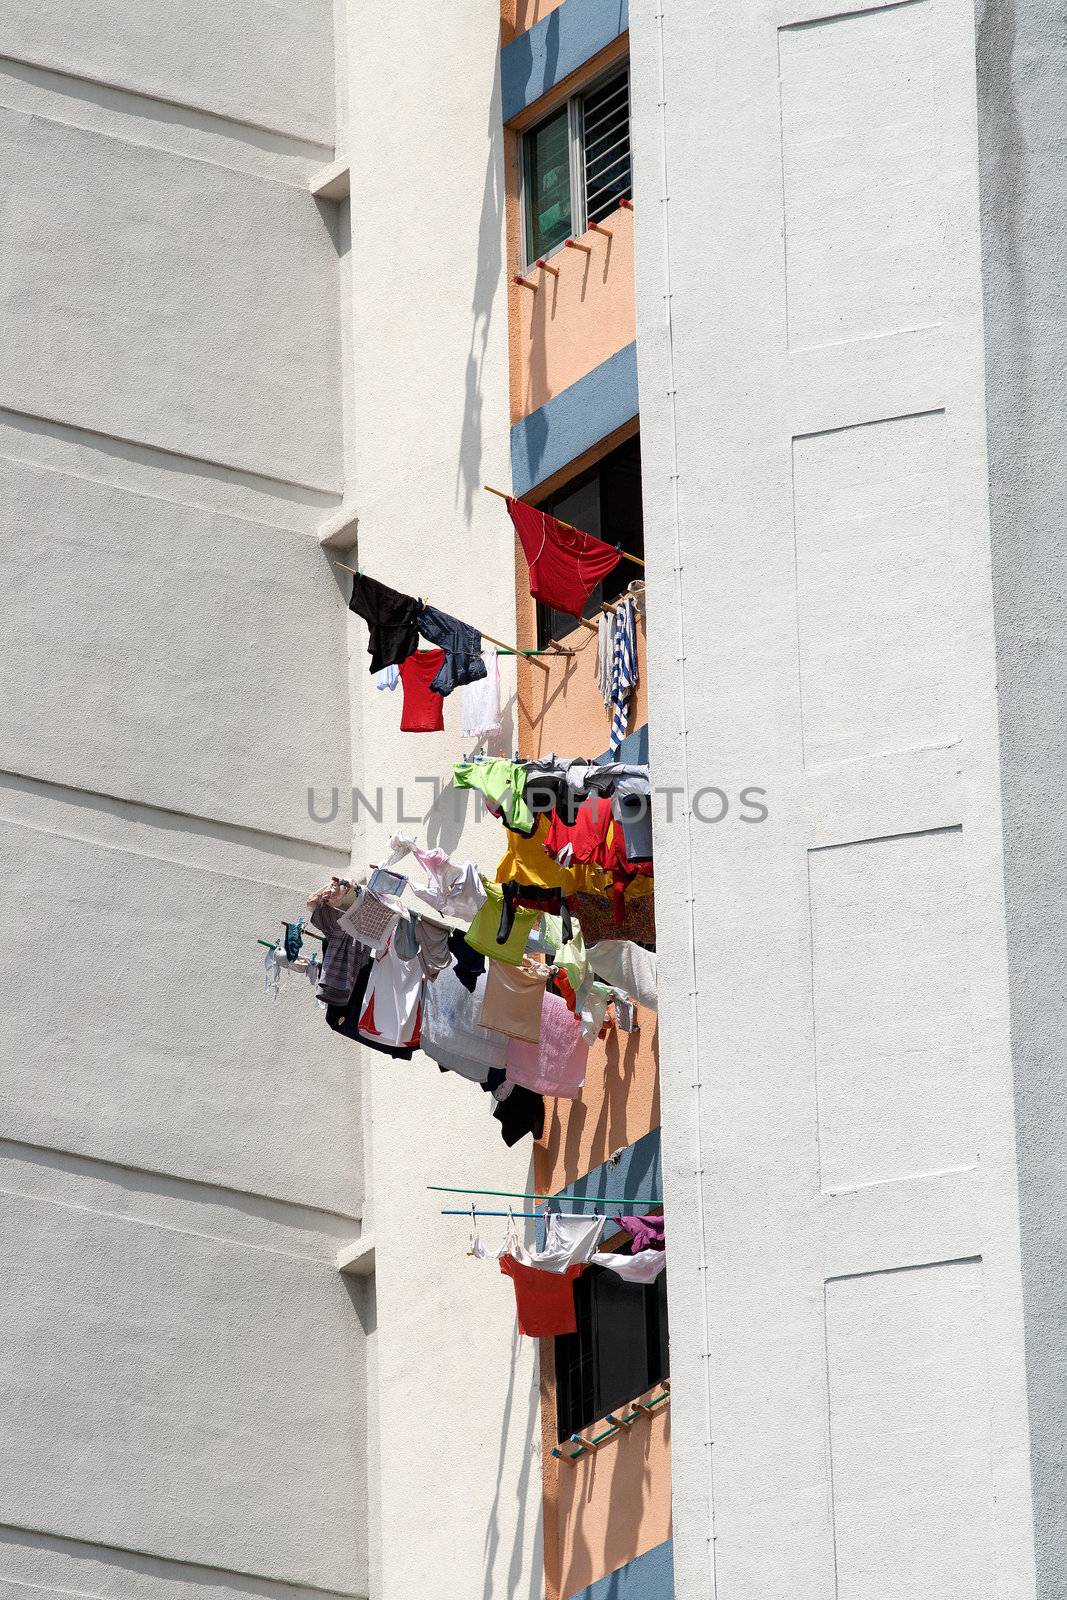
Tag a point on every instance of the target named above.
point(503, 784)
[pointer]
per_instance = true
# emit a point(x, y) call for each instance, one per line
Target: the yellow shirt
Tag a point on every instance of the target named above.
point(528, 862)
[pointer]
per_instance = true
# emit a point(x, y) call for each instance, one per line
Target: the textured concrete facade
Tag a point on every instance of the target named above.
point(850, 1399)
point(183, 1386)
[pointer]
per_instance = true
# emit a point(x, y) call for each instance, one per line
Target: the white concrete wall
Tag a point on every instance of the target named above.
point(458, 1431)
point(849, 1405)
point(180, 1158)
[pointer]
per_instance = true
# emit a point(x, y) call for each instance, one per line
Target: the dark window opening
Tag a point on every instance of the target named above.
point(605, 501)
point(619, 1352)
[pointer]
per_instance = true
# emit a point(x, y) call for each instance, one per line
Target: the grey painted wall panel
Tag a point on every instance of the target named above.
point(1022, 88)
point(153, 1044)
point(169, 301)
point(266, 62)
point(138, 1417)
point(167, 630)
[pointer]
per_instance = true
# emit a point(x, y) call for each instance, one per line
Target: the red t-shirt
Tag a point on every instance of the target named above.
point(423, 710)
point(587, 837)
point(544, 1300)
point(565, 564)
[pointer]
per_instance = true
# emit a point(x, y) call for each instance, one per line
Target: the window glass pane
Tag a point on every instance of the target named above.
point(548, 185)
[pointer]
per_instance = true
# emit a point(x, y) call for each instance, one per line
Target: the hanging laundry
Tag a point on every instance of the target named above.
point(342, 957)
point(521, 1113)
point(556, 1065)
point(511, 1245)
point(513, 1001)
point(605, 655)
point(625, 1014)
point(527, 861)
point(481, 702)
point(584, 841)
point(529, 895)
point(469, 964)
point(391, 617)
point(544, 1301)
point(339, 893)
point(432, 941)
point(568, 1241)
point(388, 678)
point(423, 710)
point(451, 1032)
point(627, 966)
point(623, 669)
point(482, 933)
point(453, 891)
point(644, 1267)
point(646, 1233)
point(372, 919)
point(462, 646)
point(392, 1005)
point(501, 783)
point(565, 564)
point(294, 938)
point(633, 918)
point(344, 1020)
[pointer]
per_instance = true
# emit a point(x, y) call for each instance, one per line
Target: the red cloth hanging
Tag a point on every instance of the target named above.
point(544, 1300)
point(565, 564)
point(423, 710)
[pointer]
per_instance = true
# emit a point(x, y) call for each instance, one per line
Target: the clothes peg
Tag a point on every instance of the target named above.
point(573, 244)
point(523, 283)
point(540, 262)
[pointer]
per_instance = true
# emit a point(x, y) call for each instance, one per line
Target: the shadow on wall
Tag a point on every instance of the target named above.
point(486, 283)
point(526, 1492)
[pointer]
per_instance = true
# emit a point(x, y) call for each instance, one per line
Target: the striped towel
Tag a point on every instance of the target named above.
point(623, 669)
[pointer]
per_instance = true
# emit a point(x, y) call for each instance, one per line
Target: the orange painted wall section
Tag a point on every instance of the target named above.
point(608, 1508)
point(519, 16)
point(574, 321)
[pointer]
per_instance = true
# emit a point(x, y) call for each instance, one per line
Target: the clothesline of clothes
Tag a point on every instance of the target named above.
point(544, 1279)
point(565, 567)
point(513, 997)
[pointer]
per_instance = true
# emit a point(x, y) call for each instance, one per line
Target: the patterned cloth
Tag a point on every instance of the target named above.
point(623, 669)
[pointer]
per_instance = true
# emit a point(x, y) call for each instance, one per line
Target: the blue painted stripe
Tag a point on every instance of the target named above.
point(551, 50)
point(647, 1577)
point(639, 1172)
point(575, 420)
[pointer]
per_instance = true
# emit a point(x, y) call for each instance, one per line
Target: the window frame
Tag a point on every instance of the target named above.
point(575, 157)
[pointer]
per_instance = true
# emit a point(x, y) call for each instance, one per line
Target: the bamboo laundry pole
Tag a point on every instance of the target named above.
point(513, 648)
point(625, 554)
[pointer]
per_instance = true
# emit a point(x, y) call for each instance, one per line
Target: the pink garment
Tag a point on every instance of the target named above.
point(556, 1064)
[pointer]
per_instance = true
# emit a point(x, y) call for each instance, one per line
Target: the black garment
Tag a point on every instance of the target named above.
point(391, 617)
point(521, 1113)
point(462, 645)
point(548, 792)
point(345, 1019)
point(493, 1079)
point(529, 894)
point(469, 964)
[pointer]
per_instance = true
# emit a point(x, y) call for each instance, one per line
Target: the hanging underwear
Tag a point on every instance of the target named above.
point(391, 617)
point(565, 564)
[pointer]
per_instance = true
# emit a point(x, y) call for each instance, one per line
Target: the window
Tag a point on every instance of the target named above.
point(605, 501)
point(619, 1351)
point(576, 165)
